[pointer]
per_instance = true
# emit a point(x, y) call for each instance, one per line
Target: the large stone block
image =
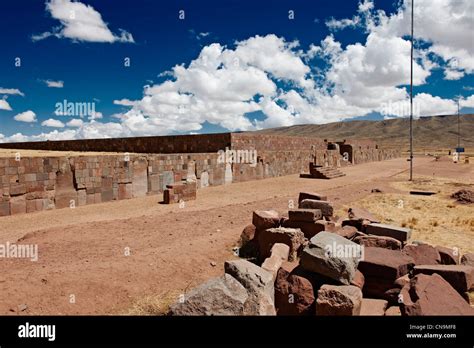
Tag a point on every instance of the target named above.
point(373, 307)
point(4, 208)
point(432, 295)
point(191, 171)
point(219, 296)
point(339, 300)
point(264, 219)
point(381, 267)
point(311, 195)
point(81, 197)
point(294, 238)
point(460, 277)
point(385, 263)
point(259, 284)
point(140, 178)
point(423, 254)
point(326, 208)
point(124, 191)
point(154, 183)
point(310, 229)
point(332, 256)
point(379, 242)
point(305, 215)
point(448, 256)
point(228, 177)
point(400, 233)
point(17, 189)
point(166, 178)
point(294, 294)
point(65, 199)
point(204, 179)
point(348, 232)
point(17, 205)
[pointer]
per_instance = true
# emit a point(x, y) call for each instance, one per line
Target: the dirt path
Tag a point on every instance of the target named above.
point(84, 251)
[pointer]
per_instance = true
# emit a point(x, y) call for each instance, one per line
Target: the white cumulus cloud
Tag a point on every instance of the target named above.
point(54, 84)
point(51, 122)
point(124, 102)
point(4, 105)
point(12, 91)
point(80, 22)
point(75, 122)
point(27, 116)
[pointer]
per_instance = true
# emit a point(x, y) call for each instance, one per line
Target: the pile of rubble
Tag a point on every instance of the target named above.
point(312, 263)
point(464, 196)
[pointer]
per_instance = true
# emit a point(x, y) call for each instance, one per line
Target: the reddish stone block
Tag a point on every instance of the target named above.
point(124, 191)
point(39, 204)
point(310, 229)
point(81, 197)
point(65, 199)
point(400, 233)
point(432, 295)
point(18, 205)
point(311, 195)
point(263, 219)
point(325, 207)
point(4, 208)
point(17, 189)
point(448, 256)
point(30, 177)
point(305, 215)
point(30, 206)
point(460, 277)
point(11, 170)
point(90, 198)
point(97, 197)
point(423, 254)
point(373, 307)
point(347, 232)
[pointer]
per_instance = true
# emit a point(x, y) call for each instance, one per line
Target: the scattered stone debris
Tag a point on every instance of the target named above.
point(313, 263)
point(22, 307)
point(464, 196)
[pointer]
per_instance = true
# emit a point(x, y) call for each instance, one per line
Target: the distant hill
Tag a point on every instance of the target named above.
point(434, 132)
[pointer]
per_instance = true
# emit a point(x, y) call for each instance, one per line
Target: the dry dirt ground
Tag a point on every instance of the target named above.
point(127, 257)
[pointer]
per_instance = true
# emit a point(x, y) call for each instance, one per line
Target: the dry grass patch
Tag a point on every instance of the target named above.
point(154, 304)
point(434, 219)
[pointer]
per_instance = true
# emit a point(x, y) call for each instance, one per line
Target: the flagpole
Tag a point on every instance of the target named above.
point(411, 94)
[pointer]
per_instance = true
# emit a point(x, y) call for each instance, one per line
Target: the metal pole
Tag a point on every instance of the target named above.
point(411, 94)
point(459, 127)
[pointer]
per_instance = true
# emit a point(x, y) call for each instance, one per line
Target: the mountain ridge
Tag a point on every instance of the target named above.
point(428, 132)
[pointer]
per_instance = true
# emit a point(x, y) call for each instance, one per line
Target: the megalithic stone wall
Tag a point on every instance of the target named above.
point(366, 151)
point(169, 144)
point(42, 183)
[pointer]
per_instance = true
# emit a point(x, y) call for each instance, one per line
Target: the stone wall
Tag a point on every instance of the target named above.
point(198, 143)
point(42, 183)
point(262, 142)
point(363, 151)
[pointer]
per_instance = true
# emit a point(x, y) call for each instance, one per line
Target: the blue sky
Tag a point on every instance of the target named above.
point(242, 65)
